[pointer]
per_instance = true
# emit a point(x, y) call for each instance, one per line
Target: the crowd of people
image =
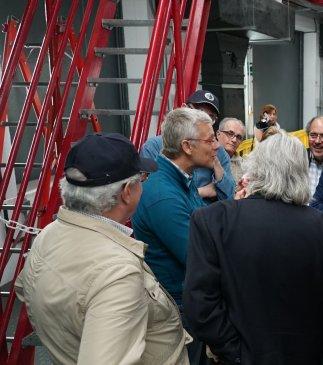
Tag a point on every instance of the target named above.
point(223, 263)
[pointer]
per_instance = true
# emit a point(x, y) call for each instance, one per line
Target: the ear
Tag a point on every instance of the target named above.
point(126, 194)
point(186, 147)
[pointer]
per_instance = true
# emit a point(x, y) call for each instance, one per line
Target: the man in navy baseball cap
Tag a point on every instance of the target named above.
point(105, 159)
point(206, 101)
point(89, 295)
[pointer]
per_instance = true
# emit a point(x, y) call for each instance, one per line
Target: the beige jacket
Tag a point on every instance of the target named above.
point(93, 300)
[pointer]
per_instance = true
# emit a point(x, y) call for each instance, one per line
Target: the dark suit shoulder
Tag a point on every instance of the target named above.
point(218, 211)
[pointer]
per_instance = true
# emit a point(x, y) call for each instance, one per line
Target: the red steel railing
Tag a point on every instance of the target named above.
point(49, 126)
point(187, 62)
point(49, 112)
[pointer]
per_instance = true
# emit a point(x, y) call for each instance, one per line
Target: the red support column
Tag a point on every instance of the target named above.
point(200, 47)
point(196, 21)
point(180, 92)
point(151, 73)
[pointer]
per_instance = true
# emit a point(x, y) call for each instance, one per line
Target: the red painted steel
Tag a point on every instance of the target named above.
point(9, 71)
point(177, 21)
point(32, 153)
point(149, 82)
point(318, 2)
point(21, 126)
point(154, 81)
point(191, 43)
point(83, 99)
point(194, 75)
point(52, 109)
point(19, 356)
point(27, 75)
point(190, 59)
point(9, 29)
point(169, 77)
point(23, 328)
point(93, 118)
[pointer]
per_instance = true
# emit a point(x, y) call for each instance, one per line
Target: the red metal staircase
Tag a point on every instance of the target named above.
point(54, 133)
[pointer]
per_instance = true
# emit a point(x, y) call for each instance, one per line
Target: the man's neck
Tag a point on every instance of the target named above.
point(184, 164)
point(116, 215)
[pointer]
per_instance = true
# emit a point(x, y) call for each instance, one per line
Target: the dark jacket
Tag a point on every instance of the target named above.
point(254, 283)
point(162, 221)
point(317, 200)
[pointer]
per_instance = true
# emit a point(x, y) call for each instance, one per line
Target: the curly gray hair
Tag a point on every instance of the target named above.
point(278, 169)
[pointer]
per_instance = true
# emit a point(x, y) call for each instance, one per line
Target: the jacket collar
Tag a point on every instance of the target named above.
point(138, 248)
point(174, 172)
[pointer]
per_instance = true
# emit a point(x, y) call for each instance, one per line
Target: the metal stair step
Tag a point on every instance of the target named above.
point(29, 124)
point(85, 113)
point(33, 45)
point(24, 207)
point(119, 80)
point(41, 83)
point(21, 164)
point(109, 23)
point(101, 52)
point(12, 249)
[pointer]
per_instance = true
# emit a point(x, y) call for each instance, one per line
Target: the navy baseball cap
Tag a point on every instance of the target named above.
point(105, 159)
point(204, 97)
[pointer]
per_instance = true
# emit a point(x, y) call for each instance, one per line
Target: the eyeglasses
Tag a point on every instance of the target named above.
point(144, 176)
point(232, 135)
point(208, 141)
point(314, 136)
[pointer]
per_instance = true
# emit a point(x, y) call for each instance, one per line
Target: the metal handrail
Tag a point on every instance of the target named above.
point(187, 61)
point(151, 73)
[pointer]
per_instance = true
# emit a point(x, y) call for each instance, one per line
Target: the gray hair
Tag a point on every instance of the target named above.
point(225, 120)
point(91, 200)
point(181, 124)
point(309, 124)
point(278, 169)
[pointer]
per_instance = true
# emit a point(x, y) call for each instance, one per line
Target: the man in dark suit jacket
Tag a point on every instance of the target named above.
point(254, 282)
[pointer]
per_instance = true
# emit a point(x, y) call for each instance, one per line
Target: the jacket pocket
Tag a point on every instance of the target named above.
point(160, 307)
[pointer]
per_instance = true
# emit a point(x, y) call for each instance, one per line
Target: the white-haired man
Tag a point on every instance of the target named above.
point(230, 134)
point(170, 197)
point(253, 288)
point(214, 183)
point(89, 294)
